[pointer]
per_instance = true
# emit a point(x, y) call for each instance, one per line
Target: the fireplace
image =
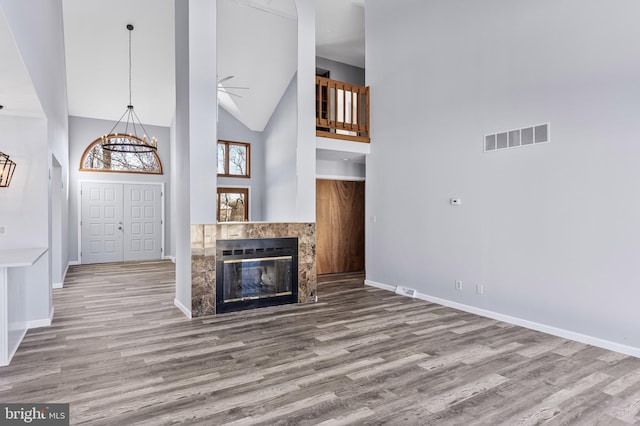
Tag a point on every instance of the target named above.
point(254, 273)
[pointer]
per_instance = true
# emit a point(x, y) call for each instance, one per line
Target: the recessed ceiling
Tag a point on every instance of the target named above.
point(333, 155)
point(17, 94)
point(96, 44)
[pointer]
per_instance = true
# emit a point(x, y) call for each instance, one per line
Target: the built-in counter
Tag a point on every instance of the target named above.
point(13, 298)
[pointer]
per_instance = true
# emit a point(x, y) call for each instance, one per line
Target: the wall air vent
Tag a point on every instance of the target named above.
point(520, 137)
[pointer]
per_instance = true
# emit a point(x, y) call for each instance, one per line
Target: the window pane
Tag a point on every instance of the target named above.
point(232, 207)
point(98, 158)
point(237, 160)
point(221, 158)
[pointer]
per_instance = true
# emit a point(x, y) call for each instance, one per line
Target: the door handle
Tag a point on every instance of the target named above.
point(120, 228)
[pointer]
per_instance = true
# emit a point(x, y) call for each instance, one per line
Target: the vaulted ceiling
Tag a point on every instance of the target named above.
point(17, 95)
point(255, 44)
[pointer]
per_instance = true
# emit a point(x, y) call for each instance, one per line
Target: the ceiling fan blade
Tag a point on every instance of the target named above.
point(229, 77)
point(230, 93)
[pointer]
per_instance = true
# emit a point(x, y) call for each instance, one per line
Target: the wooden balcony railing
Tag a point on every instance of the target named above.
point(342, 110)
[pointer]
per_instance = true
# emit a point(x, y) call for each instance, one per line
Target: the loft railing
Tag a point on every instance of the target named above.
point(342, 110)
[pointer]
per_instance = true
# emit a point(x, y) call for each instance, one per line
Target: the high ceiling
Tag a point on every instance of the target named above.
point(257, 45)
point(96, 44)
point(340, 31)
point(17, 94)
point(96, 49)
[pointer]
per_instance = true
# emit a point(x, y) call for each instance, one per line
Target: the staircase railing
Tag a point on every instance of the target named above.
point(342, 110)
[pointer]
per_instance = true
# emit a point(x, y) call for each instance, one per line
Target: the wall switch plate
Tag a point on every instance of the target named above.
point(458, 285)
point(479, 289)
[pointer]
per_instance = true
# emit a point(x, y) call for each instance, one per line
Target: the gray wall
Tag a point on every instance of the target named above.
point(230, 128)
point(280, 138)
point(551, 231)
point(341, 71)
point(82, 132)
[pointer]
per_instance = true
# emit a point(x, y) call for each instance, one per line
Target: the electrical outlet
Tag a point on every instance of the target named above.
point(458, 285)
point(3, 230)
point(479, 289)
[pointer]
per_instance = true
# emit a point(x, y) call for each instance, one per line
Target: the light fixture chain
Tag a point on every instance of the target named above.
point(130, 31)
point(129, 142)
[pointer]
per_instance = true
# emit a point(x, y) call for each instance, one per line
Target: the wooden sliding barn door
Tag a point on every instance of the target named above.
point(339, 226)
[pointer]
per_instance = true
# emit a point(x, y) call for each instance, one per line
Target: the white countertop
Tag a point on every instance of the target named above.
point(20, 257)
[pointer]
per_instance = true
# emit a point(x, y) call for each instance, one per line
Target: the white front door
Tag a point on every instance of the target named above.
point(142, 222)
point(120, 222)
point(101, 223)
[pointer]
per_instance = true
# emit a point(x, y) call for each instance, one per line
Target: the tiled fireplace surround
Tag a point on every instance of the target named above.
point(203, 258)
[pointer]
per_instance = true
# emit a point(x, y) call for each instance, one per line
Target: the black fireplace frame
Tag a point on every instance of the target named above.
point(252, 248)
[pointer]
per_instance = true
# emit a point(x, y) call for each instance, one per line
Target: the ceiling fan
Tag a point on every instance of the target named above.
point(225, 89)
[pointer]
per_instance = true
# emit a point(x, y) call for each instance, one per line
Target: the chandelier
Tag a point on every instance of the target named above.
point(123, 137)
point(6, 170)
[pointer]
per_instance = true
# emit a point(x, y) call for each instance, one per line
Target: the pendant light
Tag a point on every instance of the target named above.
point(7, 168)
point(123, 137)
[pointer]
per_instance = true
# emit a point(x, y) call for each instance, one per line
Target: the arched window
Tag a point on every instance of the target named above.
point(96, 159)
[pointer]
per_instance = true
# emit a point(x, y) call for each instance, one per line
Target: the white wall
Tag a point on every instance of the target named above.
point(181, 146)
point(195, 130)
point(23, 205)
point(280, 139)
point(551, 231)
point(82, 132)
point(203, 106)
point(306, 107)
point(173, 187)
point(327, 169)
point(231, 129)
point(44, 59)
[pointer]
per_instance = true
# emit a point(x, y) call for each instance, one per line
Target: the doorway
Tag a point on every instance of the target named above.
point(121, 222)
point(339, 226)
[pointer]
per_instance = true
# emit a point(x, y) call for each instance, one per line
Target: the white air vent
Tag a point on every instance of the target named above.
point(520, 137)
point(405, 291)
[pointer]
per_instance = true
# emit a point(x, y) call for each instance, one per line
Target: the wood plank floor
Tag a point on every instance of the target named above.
point(120, 353)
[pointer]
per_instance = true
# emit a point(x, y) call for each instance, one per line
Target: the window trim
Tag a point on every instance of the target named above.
point(226, 144)
point(99, 140)
point(237, 190)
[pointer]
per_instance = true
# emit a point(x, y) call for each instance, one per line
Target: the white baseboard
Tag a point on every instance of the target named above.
point(183, 308)
point(64, 276)
point(171, 258)
point(73, 263)
point(14, 349)
point(44, 322)
point(380, 285)
point(544, 328)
